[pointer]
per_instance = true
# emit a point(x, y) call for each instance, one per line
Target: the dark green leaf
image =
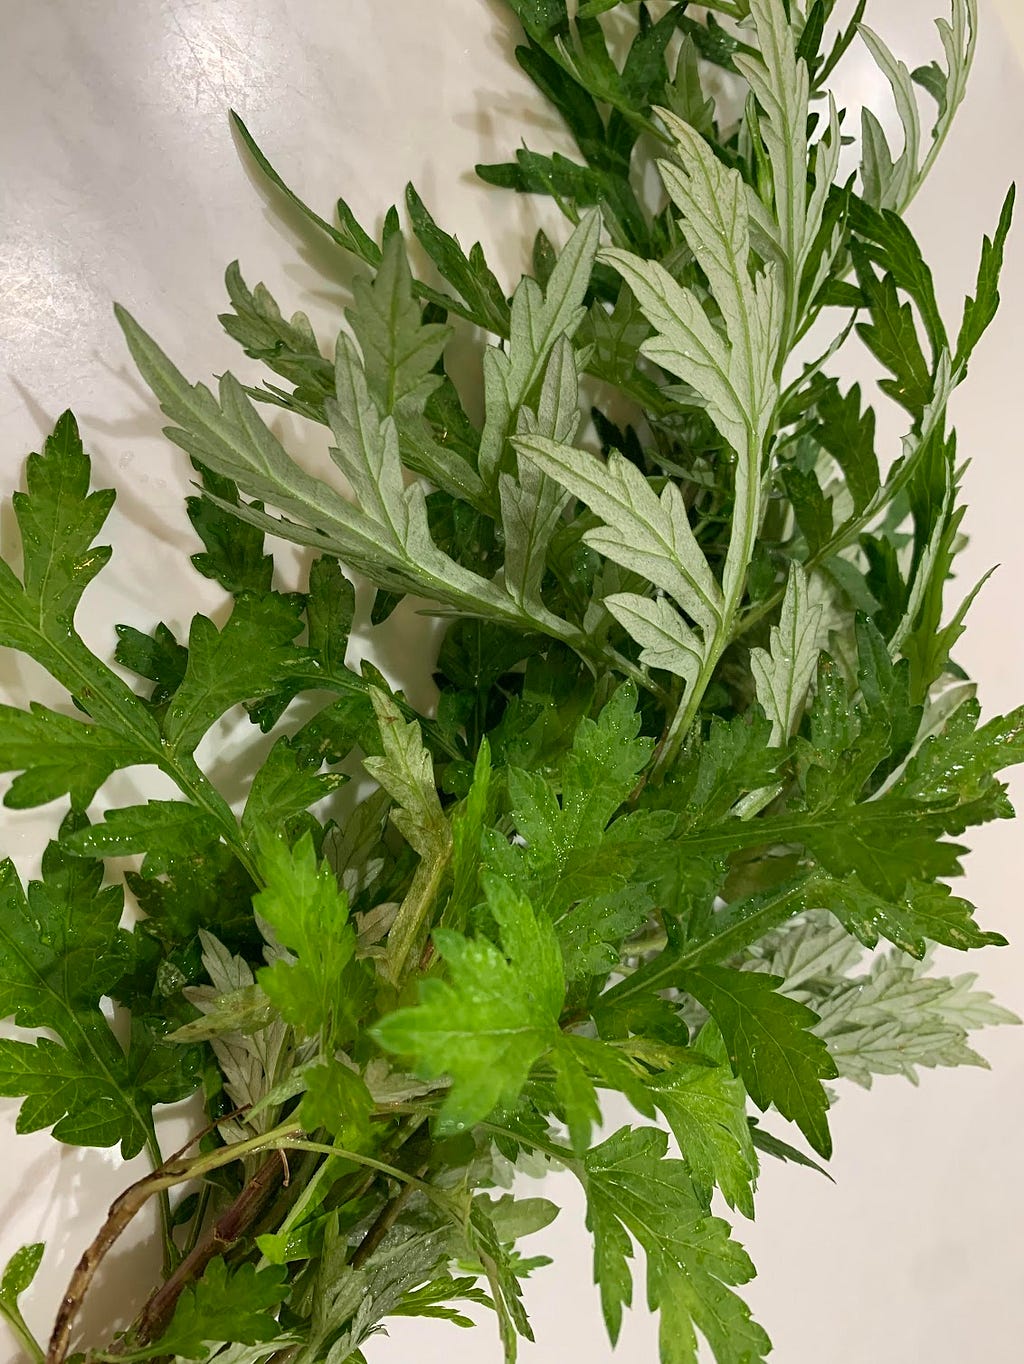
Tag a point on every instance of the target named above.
point(847, 432)
point(769, 1044)
point(350, 236)
point(237, 1305)
point(981, 309)
point(892, 338)
point(234, 555)
point(157, 657)
point(635, 1192)
point(61, 951)
point(484, 299)
point(57, 755)
point(252, 656)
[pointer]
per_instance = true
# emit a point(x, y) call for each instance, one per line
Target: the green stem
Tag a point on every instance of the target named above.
point(562, 1154)
point(745, 928)
point(12, 1315)
point(741, 548)
point(170, 1250)
point(368, 1162)
point(197, 1221)
point(414, 913)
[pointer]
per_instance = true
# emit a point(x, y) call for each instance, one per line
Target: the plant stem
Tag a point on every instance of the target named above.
point(197, 1221)
point(170, 1251)
point(123, 1211)
point(384, 1221)
point(12, 1315)
point(221, 1236)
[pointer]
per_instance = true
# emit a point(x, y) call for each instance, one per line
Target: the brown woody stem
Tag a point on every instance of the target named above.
point(123, 1211)
point(232, 1224)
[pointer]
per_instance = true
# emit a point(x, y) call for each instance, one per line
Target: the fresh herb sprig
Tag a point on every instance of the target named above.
point(701, 739)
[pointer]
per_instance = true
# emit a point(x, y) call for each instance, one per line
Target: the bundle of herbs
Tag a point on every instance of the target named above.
point(700, 745)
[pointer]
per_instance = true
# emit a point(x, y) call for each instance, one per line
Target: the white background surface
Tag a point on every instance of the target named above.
point(120, 180)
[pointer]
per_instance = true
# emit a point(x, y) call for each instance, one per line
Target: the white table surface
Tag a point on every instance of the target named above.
point(120, 180)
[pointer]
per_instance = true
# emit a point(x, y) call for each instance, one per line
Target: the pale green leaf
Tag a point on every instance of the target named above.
point(406, 772)
point(783, 673)
point(644, 532)
point(665, 638)
point(538, 320)
point(399, 349)
point(532, 506)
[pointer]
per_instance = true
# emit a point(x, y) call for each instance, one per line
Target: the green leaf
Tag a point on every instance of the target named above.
point(57, 755)
point(195, 885)
point(468, 824)
point(981, 308)
point(350, 236)
point(615, 339)
point(499, 1266)
point(706, 1108)
point(237, 1306)
point(597, 775)
point(578, 862)
point(434, 1300)
point(848, 434)
point(635, 1193)
point(737, 757)
point(923, 913)
point(20, 1270)
point(538, 319)
point(61, 951)
point(483, 300)
point(164, 830)
point(234, 554)
point(337, 1099)
point(157, 657)
point(891, 245)
point(285, 786)
point(330, 607)
point(959, 763)
point(770, 1044)
point(685, 96)
point(576, 105)
point(493, 1018)
point(399, 350)
point(58, 519)
point(892, 338)
point(251, 657)
point(321, 991)
point(783, 673)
